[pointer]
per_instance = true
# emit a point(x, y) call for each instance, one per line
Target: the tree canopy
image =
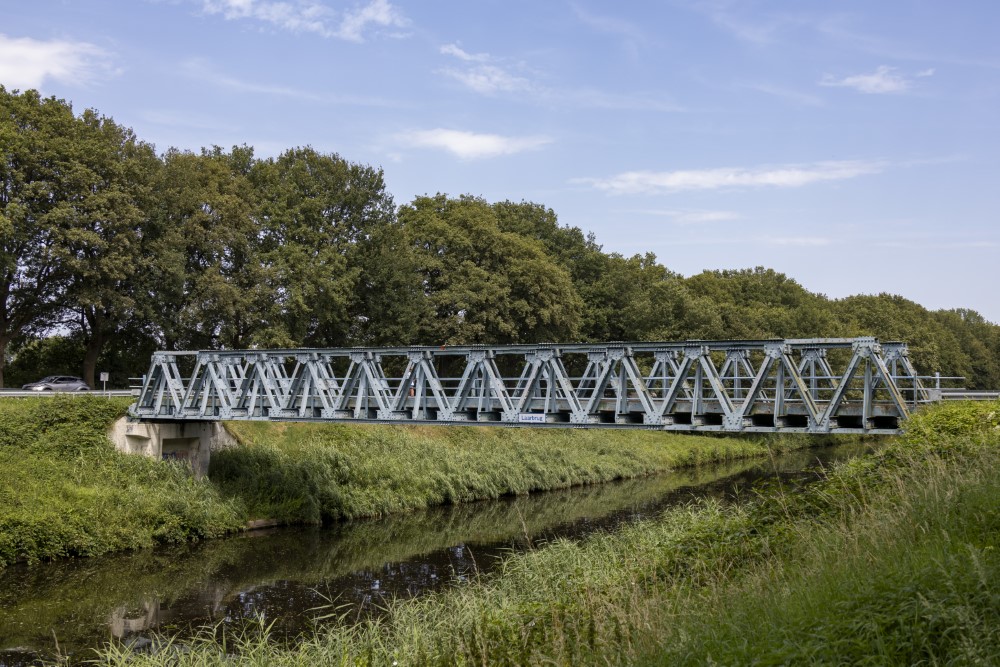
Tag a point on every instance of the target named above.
point(109, 251)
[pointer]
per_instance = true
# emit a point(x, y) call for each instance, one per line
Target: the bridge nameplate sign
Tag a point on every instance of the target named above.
point(531, 418)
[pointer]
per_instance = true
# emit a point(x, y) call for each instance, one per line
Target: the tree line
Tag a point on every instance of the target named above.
point(109, 250)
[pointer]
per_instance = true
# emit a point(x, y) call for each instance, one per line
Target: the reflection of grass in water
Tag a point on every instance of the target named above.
point(318, 472)
point(368, 544)
point(76, 598)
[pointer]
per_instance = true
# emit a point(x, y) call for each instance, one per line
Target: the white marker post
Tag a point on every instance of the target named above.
point(104, 384)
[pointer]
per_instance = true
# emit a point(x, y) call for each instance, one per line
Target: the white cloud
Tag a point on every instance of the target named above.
point(470, 145)
point(201, 69)
point(883, 80)
point(297, 17)
point(458, 52)
point(483, 77)
point(311, 16)
point(378, 12)
point(694, 217)
point(488, 79)
point(781, 176)
point(798, 241)
point(28, 63)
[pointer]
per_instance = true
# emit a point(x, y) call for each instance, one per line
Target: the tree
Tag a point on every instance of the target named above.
point(637, 298)
point(211, 287)
point(73, 197)
point(99, 219)
point(979, 340)
point(590, 269)
point(390, 306)
point(35, 137)
point(318, 214)
point(483, 284)
point(35, 358)
point(763, 303)
point(566, 245)
point(933, 347)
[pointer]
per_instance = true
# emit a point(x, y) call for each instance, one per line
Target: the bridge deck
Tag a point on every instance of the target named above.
point(820, 385)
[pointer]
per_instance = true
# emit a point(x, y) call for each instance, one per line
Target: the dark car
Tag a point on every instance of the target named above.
point(58, 383)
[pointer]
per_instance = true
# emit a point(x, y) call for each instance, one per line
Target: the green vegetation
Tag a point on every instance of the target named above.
point(320, 472)
point(133, 251)
point(67, 492)
point(77, 597)
point(893, 559)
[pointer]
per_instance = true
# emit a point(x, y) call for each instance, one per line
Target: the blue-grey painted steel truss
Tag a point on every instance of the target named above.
point(819, 385)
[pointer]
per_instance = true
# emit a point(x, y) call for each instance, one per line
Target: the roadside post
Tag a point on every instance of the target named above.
point(104, 384)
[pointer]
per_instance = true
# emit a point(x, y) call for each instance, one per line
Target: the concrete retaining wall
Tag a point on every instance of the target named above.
point(191, 442)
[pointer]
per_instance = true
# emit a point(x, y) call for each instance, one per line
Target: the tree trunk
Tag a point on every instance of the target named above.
point(3, 358)
point(94, 346)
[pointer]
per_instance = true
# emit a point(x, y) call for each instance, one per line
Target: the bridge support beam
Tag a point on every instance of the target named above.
point(188, 442)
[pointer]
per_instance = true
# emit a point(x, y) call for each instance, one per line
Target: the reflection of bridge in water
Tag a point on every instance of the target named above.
point(817, 385)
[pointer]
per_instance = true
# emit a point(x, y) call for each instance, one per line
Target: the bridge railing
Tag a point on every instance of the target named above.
point(813, 385)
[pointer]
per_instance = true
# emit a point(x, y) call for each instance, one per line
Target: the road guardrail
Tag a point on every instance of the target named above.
point(21, 393)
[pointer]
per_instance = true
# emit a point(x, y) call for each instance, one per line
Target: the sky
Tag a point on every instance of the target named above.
point(852, 145)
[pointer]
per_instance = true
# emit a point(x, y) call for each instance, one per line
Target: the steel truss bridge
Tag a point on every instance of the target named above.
point(818, 385)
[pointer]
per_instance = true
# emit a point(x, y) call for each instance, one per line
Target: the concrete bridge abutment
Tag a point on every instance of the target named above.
point(190, 442)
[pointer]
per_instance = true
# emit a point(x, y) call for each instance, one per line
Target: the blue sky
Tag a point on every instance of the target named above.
point(851, 144)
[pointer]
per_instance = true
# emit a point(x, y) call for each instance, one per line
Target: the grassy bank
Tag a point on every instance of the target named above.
point(65, 491)
point(76, 598)
point(894, 559)
point(320, 472)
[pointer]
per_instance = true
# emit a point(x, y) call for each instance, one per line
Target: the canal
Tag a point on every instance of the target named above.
point(294, 578)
